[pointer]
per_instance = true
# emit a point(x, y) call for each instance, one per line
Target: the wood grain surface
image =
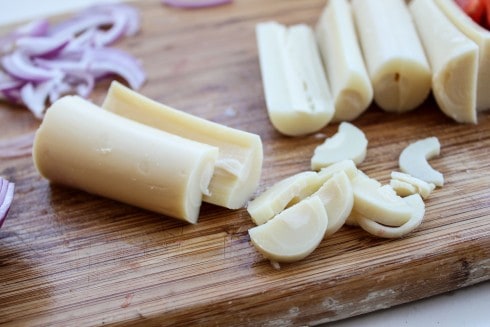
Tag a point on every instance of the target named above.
point(68, 258)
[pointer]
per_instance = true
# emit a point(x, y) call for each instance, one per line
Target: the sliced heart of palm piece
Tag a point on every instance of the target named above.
point(417, 205)
point(296, 90)
point(405, 184)
point(282, 194)
point(344, 64)
point(338, 199)
point(349, 143)
point(294, 233)
point(379, 202)
point(413, 160)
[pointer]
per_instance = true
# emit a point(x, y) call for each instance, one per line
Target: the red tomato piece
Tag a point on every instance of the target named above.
point(487, 8)
point(476, 9)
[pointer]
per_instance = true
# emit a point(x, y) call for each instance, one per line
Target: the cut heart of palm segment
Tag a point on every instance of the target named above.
point(338, 199)
point(379, 202)
point(294, 233)
point(418, 211)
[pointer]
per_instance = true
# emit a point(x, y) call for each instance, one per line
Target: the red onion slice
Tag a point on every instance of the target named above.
point(12, 96)
point(10, 88)
point(117, 31)
point(83, 41)
point(7, 83)
point(59, 89)
point(84, 84)
point(6, 197)
point(45, 62)
point(35, 28)
point(133, 20)
point(18, 65)
point(41, 46)
point(122, 19)
point(126, 22)
point(35, 96)
point(68, 66)
point(193, 4)
point(113, 61)
point(78, 24)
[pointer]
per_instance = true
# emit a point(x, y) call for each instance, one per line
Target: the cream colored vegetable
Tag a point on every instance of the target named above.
point(347, 166)
point(337, 39)
point(293, 189)
point(481, 37)
point(403, 188)
point(296, 91)
point(417, 205)
point(379, 202)
point(398, 181)
point(454, 60)
point(413, 160)
point(338, 199)
point(239, 166)
point(395, 59)
point(348, 143)
point(80, 145)
point(294, 233)
point(286, 192)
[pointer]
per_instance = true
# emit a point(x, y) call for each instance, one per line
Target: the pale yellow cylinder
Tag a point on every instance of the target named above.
point(239, 165)
point(83, 146)
point(395, 58)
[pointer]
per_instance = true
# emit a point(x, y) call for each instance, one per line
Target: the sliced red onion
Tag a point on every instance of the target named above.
point(133, 21)
point(35, 28)
point(192, 4)
point(85, 84)
point(20, 66)
point(75, 65)
point(83, 41)
point(95, 64)
point(35, 98)
point(122, 19)
point(42, 46)
point(112, 61)
point(44, 62)
point(7, 83)
point(6, 197)
point(126, 22)
point(12, 96)
point(10, 88)
point(59, 89)
point(117, 31)
point(130, 15)
point(79, 24)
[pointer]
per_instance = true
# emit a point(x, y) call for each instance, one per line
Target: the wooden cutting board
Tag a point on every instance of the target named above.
point(70, 258)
